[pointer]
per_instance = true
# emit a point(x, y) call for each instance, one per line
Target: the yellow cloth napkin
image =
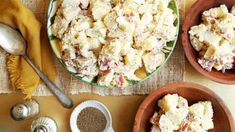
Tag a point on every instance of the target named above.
point(21, 75)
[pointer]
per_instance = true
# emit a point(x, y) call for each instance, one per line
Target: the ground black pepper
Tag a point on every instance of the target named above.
point(91, 120)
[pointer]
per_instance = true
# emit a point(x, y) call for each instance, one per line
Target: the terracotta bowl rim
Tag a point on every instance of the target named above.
point(194, 64)
point(170, 86)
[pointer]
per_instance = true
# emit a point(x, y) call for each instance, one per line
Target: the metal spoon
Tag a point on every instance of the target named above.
point(12, 42)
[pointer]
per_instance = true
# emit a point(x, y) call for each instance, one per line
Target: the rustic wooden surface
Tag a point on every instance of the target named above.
point(123, 109)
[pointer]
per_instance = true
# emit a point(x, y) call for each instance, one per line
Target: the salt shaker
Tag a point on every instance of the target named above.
point(44, 124)
point(24, 110)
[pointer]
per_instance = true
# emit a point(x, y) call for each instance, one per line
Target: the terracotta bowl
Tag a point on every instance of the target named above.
point(223, 121)
point(194, 18)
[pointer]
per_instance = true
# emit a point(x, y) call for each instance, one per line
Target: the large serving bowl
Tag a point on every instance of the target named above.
point(56, 46)
point(222, 118)
point(193, 17)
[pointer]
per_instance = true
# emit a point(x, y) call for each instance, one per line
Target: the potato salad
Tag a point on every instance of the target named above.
point(176, 115)
point(113, 41)
point(214, 39)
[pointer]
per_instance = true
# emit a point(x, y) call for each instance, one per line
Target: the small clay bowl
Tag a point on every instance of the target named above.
point(222, 118)
point(193, 18)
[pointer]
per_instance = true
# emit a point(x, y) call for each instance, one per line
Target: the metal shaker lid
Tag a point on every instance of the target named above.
point(40, 128)
point(44, 124)
point(19, 112)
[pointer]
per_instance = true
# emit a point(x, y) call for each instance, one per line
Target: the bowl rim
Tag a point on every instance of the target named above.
point(132, 83)
point(86, 104)
point(185, 44)
point(178, 85)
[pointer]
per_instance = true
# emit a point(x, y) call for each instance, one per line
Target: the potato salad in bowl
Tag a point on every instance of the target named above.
point(112, 43)
point(214, 39)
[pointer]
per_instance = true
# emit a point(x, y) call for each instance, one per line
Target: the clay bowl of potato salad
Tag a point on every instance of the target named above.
point(208, 39)
point(183, 107)
point(112, 43)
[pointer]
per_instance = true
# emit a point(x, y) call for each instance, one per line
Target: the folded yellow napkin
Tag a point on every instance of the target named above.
point(21, 75)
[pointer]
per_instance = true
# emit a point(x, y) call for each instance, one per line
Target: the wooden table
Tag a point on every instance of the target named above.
point(123, 111)
point(122, 108)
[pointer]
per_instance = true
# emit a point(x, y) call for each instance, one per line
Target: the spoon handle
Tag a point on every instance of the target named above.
point(60, 95)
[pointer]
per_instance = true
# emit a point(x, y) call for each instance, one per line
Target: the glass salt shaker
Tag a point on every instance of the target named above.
point(44, 124)
point(24, 110)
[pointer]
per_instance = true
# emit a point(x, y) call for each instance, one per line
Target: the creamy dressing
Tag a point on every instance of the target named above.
point(111, 40)
point(214, 39)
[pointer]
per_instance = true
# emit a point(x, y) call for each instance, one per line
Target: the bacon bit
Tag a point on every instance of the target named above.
point(77, 48)
point(113, 5)
point(105, 62)
point(213, 21)
point(116, 64)
point(82, 58)
point(102, 73)
point(161, 112)
point(137, 47)
point(129, 14)
point(121, 80)
point(222, 31)
point(85, 13)
point(155, 119)
point(63, 53)
point(210, 18)
point(184, 126)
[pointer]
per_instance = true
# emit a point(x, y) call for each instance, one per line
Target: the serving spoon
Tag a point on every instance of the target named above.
point(12, 42)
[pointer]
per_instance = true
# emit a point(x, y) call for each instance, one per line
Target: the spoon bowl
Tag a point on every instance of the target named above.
point(13, 42)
